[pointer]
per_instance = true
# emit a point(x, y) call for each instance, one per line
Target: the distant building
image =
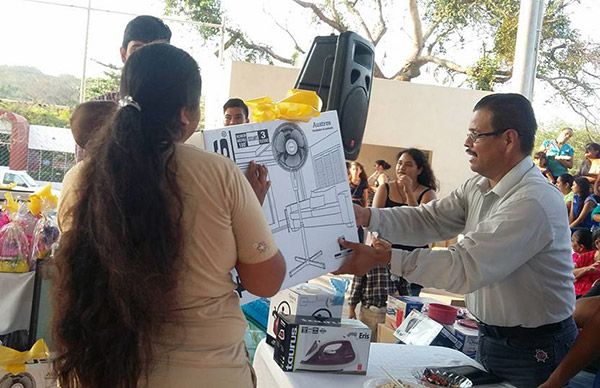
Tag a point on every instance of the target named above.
point(45, 152)
point(51, 152)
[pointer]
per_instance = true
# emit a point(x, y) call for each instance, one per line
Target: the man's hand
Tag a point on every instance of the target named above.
point(362, 215)
point(382, 245)
point(363, 258)
point(257, 176)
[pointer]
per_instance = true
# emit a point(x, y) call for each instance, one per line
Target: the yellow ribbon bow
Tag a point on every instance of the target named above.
point(298, 105)
point(14, 361)
point(11, 204)
point(43, 195)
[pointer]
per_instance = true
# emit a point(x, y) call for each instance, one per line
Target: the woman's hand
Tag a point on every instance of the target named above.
point(406, 187)
point(257, 176)
point(405, 184)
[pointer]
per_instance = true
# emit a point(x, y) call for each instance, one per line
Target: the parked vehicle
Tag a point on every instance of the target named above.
point(19, 183)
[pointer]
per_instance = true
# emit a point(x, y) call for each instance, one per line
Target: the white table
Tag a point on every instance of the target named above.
point(399, 360)
point(16, 296)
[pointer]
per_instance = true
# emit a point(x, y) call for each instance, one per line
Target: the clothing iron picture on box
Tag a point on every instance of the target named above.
point(333, 353)
point(307, 344)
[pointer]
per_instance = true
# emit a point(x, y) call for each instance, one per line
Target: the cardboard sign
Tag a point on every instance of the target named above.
point(309, 205)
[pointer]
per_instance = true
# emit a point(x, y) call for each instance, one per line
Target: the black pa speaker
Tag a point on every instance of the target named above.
point(340, 70)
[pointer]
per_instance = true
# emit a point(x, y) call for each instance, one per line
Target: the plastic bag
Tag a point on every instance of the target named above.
point(14, 246)
point(45, 236)
point(45, 233)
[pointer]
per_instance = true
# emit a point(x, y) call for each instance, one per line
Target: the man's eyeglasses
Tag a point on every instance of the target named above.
point(474, 136)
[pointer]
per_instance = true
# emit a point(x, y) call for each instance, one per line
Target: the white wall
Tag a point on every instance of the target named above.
point(401, 114)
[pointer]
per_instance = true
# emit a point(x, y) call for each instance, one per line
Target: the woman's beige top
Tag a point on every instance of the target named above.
point(222, 224)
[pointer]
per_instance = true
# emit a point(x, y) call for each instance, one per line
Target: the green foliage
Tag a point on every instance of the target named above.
point(483, 74)
point(38, 113)
point(205, 11)
point(101, 85)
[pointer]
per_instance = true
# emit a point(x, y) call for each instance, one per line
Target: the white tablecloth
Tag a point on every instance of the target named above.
point(399, 360)
point(16, 296)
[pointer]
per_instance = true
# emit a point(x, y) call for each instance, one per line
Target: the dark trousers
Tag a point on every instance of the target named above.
point(525, 357)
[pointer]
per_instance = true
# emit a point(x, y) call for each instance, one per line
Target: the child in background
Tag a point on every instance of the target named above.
point(541, 161)
point(564, 183)
point(87, 119)
point(584, 202)
point(586, 259)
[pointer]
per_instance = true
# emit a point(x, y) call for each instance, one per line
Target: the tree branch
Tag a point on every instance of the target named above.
point(574, 81)
point(382, 24)
point(319, 13)
point(446, 63)
point(361, 20)
point(417, 31)
point(287, 31)
point(238, 37)
point(579, 107)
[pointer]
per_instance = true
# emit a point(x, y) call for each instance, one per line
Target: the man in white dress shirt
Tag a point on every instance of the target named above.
point(514, 264)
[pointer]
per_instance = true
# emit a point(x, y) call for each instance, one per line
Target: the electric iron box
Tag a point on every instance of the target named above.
point(309, 300)
point(418, 329)
point(305, 343)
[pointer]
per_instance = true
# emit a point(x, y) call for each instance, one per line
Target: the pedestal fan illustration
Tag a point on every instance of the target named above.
point(290, 151)
point(21, 380)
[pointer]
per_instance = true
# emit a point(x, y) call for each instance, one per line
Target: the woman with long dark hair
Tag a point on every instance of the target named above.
point(415, 184)
point(151, 230)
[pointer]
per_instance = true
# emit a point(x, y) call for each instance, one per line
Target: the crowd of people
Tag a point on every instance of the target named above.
point(152, 228)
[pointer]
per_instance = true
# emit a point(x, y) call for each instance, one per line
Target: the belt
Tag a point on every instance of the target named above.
point(519, 331)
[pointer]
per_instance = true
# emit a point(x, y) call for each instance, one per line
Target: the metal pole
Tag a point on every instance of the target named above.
point(531, 15)
point(222, 45)
point(85, 50)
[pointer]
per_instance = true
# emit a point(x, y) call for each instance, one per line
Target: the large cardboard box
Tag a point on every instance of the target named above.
point(309, 204)
point(308, 300)
point(468, 339)
point(385, 334)
point(309, 344)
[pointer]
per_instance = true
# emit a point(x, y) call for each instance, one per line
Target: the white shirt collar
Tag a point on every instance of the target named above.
point(509, 180)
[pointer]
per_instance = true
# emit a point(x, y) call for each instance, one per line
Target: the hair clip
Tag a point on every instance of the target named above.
point(129, 101)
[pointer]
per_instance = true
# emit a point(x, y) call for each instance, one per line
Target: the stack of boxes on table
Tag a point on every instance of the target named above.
point(423, 321)
point(307, 332)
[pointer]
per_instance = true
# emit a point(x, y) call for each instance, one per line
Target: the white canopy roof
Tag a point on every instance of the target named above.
point(51, 139)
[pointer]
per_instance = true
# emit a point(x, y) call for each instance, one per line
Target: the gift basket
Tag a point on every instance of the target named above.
point(28, 231)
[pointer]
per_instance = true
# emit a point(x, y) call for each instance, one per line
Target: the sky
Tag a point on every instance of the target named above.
point(52, 37)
